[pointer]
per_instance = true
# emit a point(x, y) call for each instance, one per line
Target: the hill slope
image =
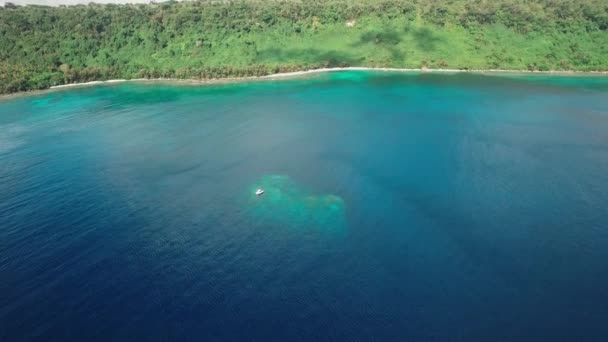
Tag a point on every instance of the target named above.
point(44, 46)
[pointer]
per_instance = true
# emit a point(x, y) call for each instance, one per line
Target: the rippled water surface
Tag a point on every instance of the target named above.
point(397, 207)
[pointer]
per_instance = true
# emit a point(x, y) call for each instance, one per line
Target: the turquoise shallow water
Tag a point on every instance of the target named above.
point(397, 207)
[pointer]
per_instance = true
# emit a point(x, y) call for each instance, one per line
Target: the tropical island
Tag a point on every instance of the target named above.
point(44, 46)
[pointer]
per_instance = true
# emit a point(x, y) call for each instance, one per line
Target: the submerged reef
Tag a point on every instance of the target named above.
point(286, 203)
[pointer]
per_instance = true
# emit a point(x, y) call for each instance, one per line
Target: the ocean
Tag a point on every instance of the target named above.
point(397, 207)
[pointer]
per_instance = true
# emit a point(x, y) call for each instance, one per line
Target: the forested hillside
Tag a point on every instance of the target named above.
point(45, 46)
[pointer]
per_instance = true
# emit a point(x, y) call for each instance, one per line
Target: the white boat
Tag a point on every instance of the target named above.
point(259, 192)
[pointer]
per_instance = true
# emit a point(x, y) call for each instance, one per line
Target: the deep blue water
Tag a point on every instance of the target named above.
point(398, 207)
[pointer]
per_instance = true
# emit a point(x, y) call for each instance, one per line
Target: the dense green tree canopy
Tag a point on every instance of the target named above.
point(45, 46)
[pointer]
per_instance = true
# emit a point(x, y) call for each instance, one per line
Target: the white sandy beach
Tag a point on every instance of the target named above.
point(321, 70)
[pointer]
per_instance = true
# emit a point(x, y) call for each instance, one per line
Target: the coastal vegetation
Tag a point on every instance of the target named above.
point(44, 46)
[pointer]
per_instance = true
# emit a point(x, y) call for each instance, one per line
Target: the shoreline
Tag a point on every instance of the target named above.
point(297, 74)
point(323, 70)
